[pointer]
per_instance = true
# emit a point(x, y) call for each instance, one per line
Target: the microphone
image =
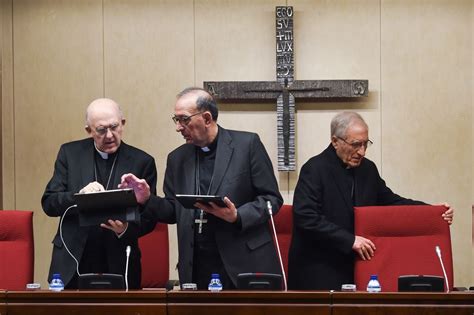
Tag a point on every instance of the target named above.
point(438, 252)
point(270, 211)
point(127, 251)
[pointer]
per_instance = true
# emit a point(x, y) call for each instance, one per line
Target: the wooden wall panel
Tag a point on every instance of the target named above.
point(235, 41)
point(57, 72)
point(336, 40)
point(1, 98)
point(148, 59)
point(8, 160)
point(427, 109)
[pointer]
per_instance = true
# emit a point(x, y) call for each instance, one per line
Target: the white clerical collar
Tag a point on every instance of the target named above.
point(211, 146)
point(103, 155)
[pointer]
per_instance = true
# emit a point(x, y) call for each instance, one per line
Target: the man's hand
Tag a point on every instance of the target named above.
point(92, 187)
point(228, 213)
point(364, 247)
point(448, 216)
point(140, 187)
point(115, 225)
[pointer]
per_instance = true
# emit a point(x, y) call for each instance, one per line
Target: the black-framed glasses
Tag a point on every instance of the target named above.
point(102, 130)
point(184, 120)
point(356, 145)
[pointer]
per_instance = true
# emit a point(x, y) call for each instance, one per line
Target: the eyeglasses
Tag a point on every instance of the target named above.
point(184, 120)
point(102, 130)
point(358, 144)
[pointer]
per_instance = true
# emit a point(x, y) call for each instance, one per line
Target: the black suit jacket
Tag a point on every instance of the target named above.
point(244, 173)
point(321, 255)
point(74, 169)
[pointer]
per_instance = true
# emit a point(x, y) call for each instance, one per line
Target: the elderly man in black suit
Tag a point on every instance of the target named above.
point(227, 240)
point(95, 164)
point(324, 246)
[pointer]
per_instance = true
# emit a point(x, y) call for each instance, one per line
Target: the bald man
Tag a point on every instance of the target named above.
point(95, 164)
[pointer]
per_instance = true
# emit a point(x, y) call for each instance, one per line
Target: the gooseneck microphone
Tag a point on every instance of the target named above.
point(127, 251)
point(270, 211)
point(438, 252)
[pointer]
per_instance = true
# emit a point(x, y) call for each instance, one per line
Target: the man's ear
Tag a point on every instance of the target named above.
point(207, 116)
point(88, 129)
point(123, 121)
point(334, 142)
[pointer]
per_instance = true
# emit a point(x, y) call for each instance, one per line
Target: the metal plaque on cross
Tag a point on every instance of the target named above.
point(285, 90)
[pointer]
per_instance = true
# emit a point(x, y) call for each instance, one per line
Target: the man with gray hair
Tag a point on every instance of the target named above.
point(88, 165)
point(324, 246)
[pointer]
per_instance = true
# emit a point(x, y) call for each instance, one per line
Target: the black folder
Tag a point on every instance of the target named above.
point(98, 207)
point(188, 201)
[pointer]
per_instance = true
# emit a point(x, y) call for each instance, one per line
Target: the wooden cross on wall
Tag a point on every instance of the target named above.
point(285, 89)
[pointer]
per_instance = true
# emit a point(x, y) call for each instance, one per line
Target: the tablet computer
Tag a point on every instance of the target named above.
point(188, 201)
point(98, 207)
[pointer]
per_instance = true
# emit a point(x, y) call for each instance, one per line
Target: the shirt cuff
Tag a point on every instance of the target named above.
point(121, 234)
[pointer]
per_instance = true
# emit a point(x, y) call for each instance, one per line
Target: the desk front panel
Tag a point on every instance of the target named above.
point(396, 303)
point(248, 303)
point(3, 302)
point(86, 302)
point(160, 302)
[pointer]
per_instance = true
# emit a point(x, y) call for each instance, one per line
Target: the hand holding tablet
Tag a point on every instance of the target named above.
point(98, 207)
point(188, 201)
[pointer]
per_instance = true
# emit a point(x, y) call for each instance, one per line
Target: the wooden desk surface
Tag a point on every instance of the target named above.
point(234, 302)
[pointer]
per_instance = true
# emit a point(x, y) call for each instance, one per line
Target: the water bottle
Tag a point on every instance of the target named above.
point(374, 284)
point(56, 283)
point(215, 285)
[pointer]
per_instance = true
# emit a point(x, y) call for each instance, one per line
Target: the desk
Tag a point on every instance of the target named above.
point(249, 302)
point(160, 302)
point(394, 303)
point(3, 302)
point(86, 302)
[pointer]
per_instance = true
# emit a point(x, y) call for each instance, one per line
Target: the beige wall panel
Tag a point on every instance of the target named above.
point(2, 17)
point(472, 136)
point(235, 41)
point(427, 110)
point(58, 71)
point(149, 56)
point(336, 40)
point(8, 137)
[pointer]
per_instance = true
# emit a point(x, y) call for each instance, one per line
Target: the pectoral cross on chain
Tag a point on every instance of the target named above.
point(200, 221)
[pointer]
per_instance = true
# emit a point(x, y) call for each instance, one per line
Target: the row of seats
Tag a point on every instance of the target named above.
point(405, 236)
point(17, 252)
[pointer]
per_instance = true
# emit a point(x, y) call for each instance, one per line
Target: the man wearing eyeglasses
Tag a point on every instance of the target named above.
point(89, 165)
point(229, 239)
point(330, 184)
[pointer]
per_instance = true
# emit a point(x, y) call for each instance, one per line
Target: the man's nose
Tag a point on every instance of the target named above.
point(179, 127)
point(108, 133)
point(361, 150)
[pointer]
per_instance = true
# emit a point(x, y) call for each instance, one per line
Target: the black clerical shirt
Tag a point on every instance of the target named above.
point(349, 180)
point(94, 258)
point(207, 259)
